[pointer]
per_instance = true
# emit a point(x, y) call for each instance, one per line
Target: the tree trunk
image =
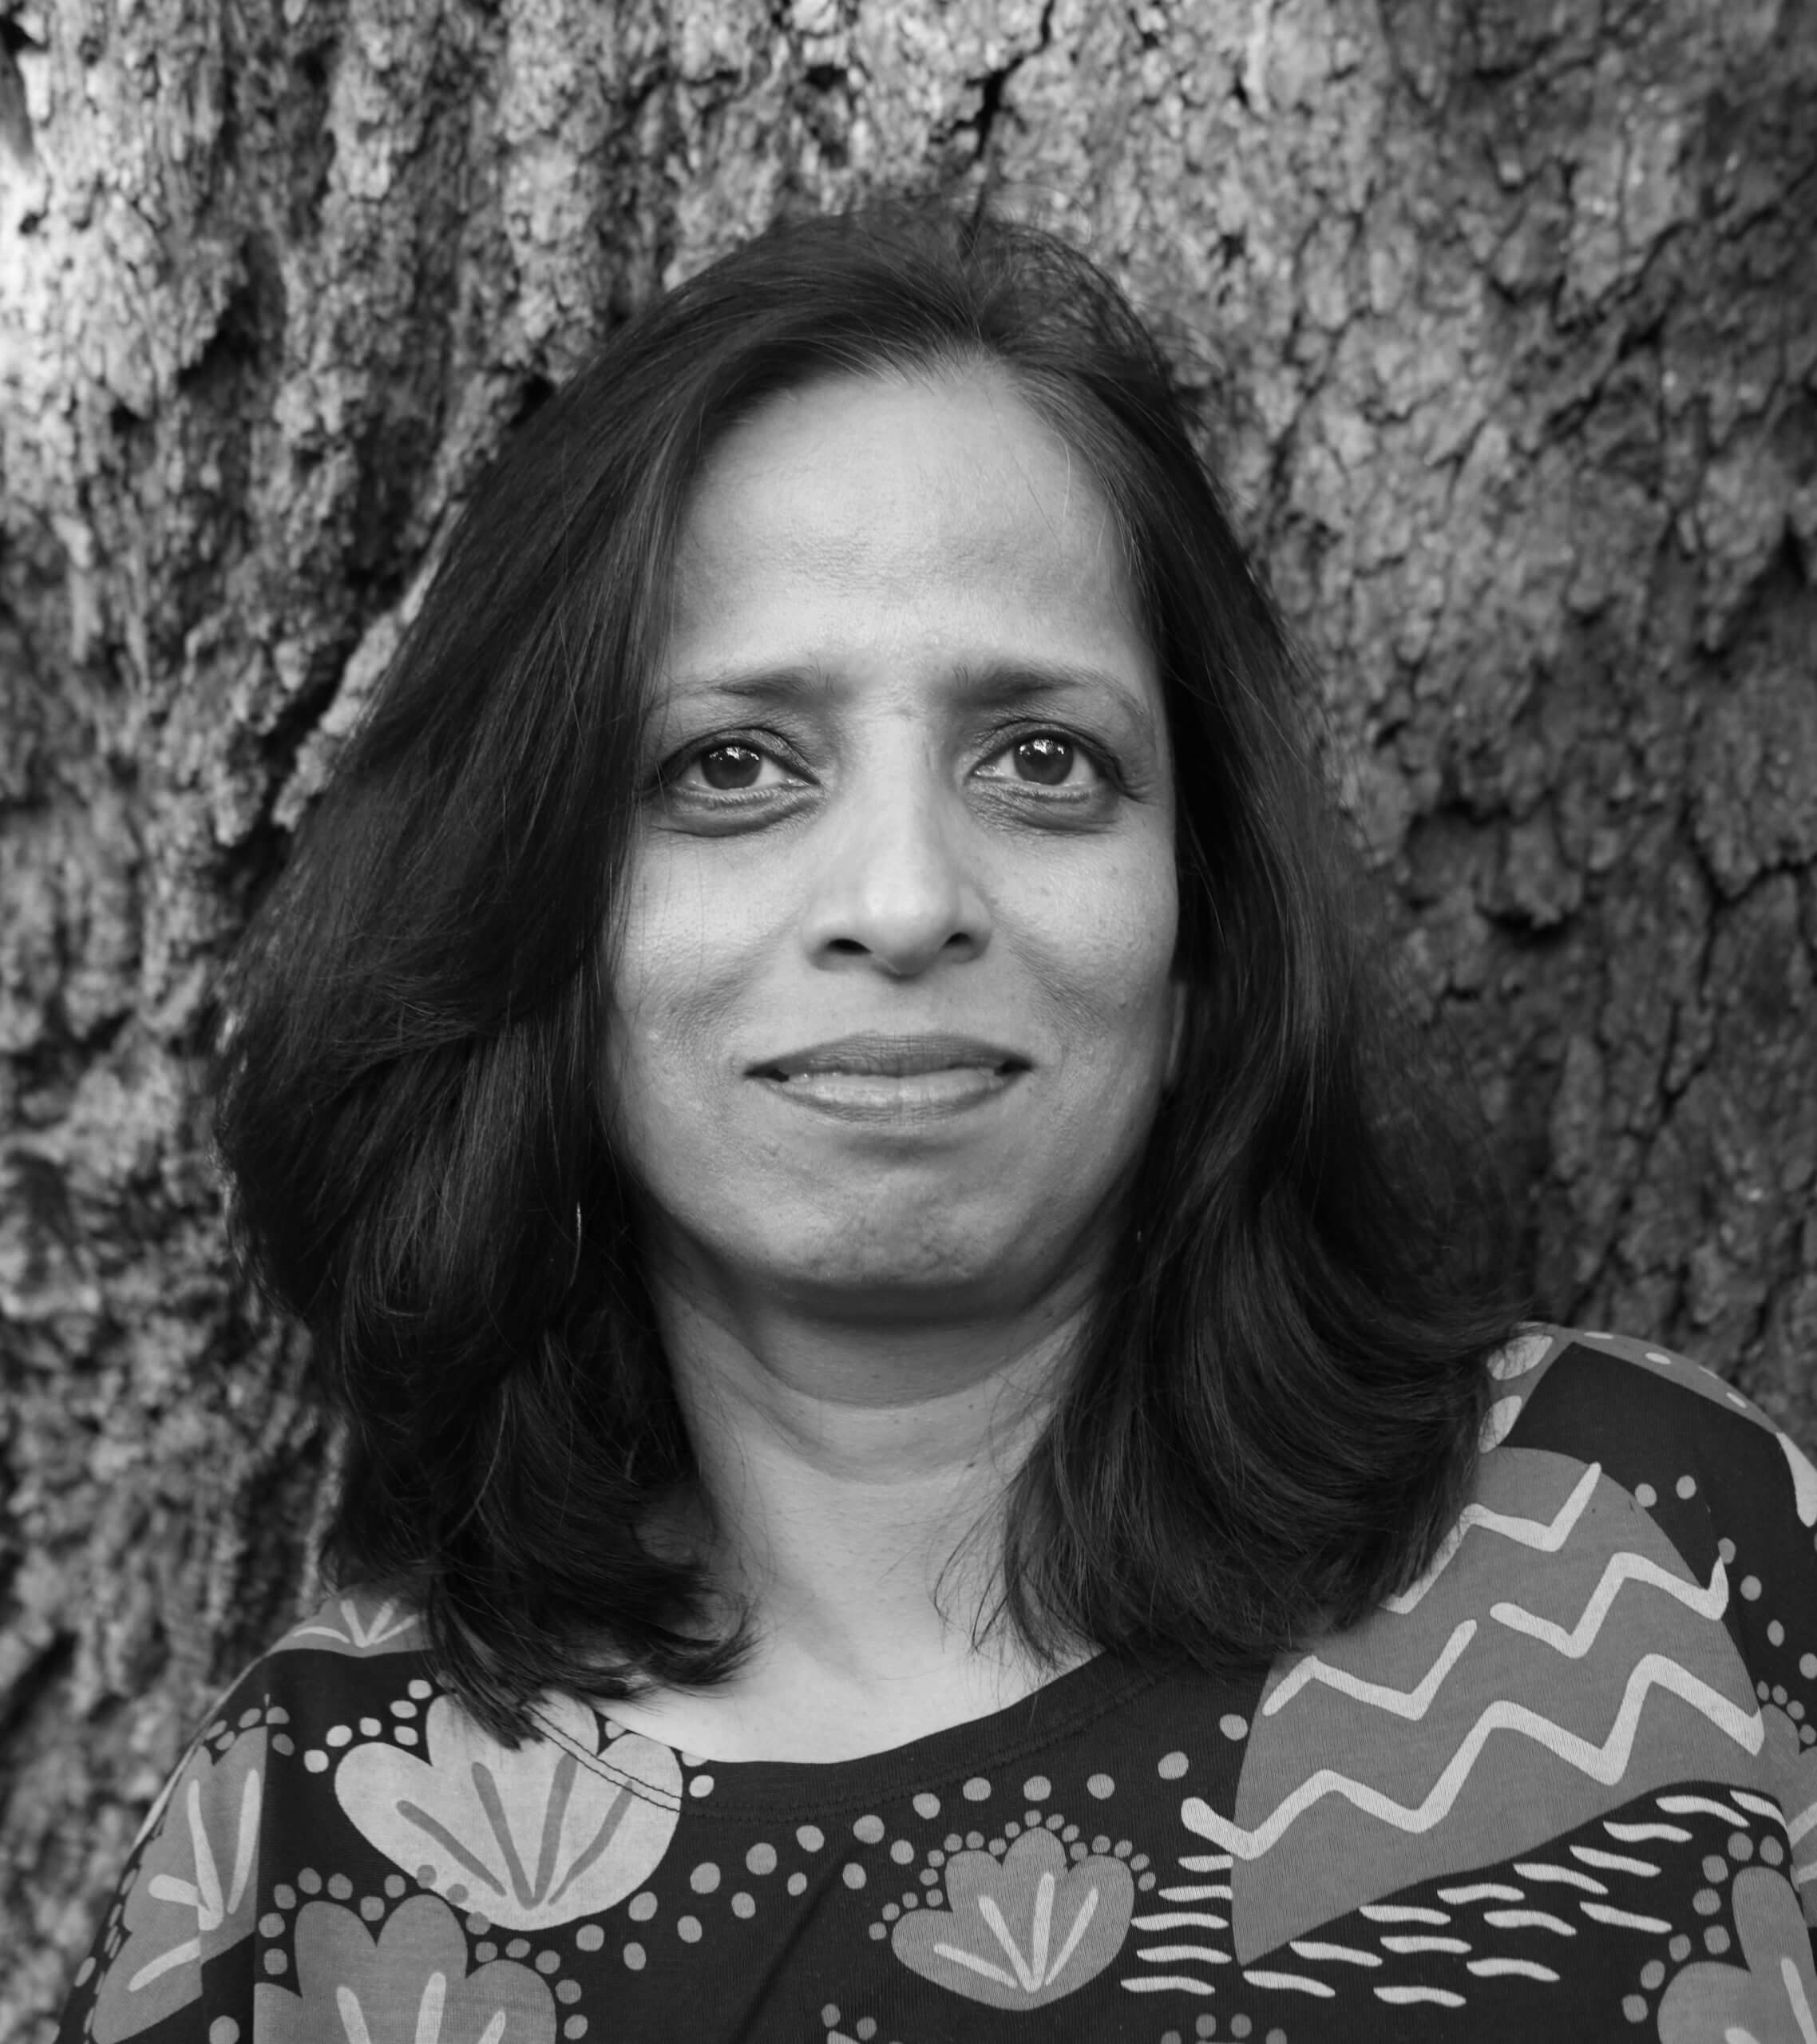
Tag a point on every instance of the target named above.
point(1503, 314)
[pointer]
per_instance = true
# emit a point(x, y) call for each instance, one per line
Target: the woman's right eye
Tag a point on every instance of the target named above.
point(730, 767)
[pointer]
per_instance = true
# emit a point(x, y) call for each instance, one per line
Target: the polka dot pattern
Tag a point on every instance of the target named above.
point(884, 1863)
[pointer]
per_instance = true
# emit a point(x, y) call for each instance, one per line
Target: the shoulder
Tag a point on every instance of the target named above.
point(359, 1653)
point(176, 1943)
point(1659, 1422)
point(356, 1646)
point(360, 1623)
point(1615, 1644)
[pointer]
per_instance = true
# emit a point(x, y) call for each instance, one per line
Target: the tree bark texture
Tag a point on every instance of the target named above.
point(1502, 315)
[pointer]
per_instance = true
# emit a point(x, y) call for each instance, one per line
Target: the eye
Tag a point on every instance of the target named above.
point(731, 766)
point(1045, 759)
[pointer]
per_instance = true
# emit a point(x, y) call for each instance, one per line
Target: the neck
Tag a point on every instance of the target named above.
point(852, 1478)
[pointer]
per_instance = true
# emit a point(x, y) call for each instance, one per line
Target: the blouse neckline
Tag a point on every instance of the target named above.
point(948, 1761)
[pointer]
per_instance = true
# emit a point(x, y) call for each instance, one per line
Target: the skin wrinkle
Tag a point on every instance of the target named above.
point(866, 1324)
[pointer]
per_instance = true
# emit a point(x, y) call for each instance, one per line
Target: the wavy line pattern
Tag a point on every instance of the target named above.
point(1762, 1806)
point(1623, 1919)
point(1528, 1919)
point(1411, 1704)
point(1606, 1763)
point(1681, 1806)
point(1613, 1863)
point(1345, 1954)
point(1545, 1536)
point(1538, 1870)
point(1623, 1568)
point(1294, 1983)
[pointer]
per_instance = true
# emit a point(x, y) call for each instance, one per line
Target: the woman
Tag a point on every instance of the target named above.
point(909, 1334)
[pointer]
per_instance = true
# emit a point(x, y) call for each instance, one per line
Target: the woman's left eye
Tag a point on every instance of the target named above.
point(1045, 759)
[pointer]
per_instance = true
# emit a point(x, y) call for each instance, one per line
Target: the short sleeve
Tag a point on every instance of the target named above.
point(174, 1954)
point(179, 1959)
point(1737, 1497)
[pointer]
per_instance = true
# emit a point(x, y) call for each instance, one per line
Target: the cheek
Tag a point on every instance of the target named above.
point(676, 972)
point(1106, 945)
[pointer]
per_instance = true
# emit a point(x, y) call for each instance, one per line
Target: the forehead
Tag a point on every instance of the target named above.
point(941, 508)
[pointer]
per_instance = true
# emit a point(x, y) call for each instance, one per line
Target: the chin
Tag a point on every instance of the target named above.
point(951, 1270)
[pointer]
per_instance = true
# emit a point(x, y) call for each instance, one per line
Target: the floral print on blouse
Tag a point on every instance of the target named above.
point(1563, 1787)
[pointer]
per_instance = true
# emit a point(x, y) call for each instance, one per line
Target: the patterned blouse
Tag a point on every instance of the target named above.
point(1565, 1787)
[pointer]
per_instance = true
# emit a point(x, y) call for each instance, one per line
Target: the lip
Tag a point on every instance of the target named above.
point(879, 1056)
point(901, 1080)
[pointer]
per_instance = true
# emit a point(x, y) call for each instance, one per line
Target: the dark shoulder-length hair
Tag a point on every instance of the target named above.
point(1271, 1418)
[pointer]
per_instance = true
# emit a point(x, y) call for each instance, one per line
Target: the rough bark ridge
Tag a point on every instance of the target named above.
point(1504, 314)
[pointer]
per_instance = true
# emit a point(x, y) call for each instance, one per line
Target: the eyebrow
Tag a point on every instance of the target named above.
point(998, 685)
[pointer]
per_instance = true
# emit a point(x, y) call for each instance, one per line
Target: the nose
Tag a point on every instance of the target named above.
point(894, 885)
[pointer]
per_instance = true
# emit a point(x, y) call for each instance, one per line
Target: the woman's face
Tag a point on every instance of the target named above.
point(892, 997)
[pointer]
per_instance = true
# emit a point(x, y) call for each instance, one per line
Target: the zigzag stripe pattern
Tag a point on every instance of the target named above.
point(1606, 1763)
point(1546, 1536)
point(1623, 1568)
point(1412, 1704)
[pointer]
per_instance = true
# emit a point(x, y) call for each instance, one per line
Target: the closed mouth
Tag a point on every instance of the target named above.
point(891, 1058)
